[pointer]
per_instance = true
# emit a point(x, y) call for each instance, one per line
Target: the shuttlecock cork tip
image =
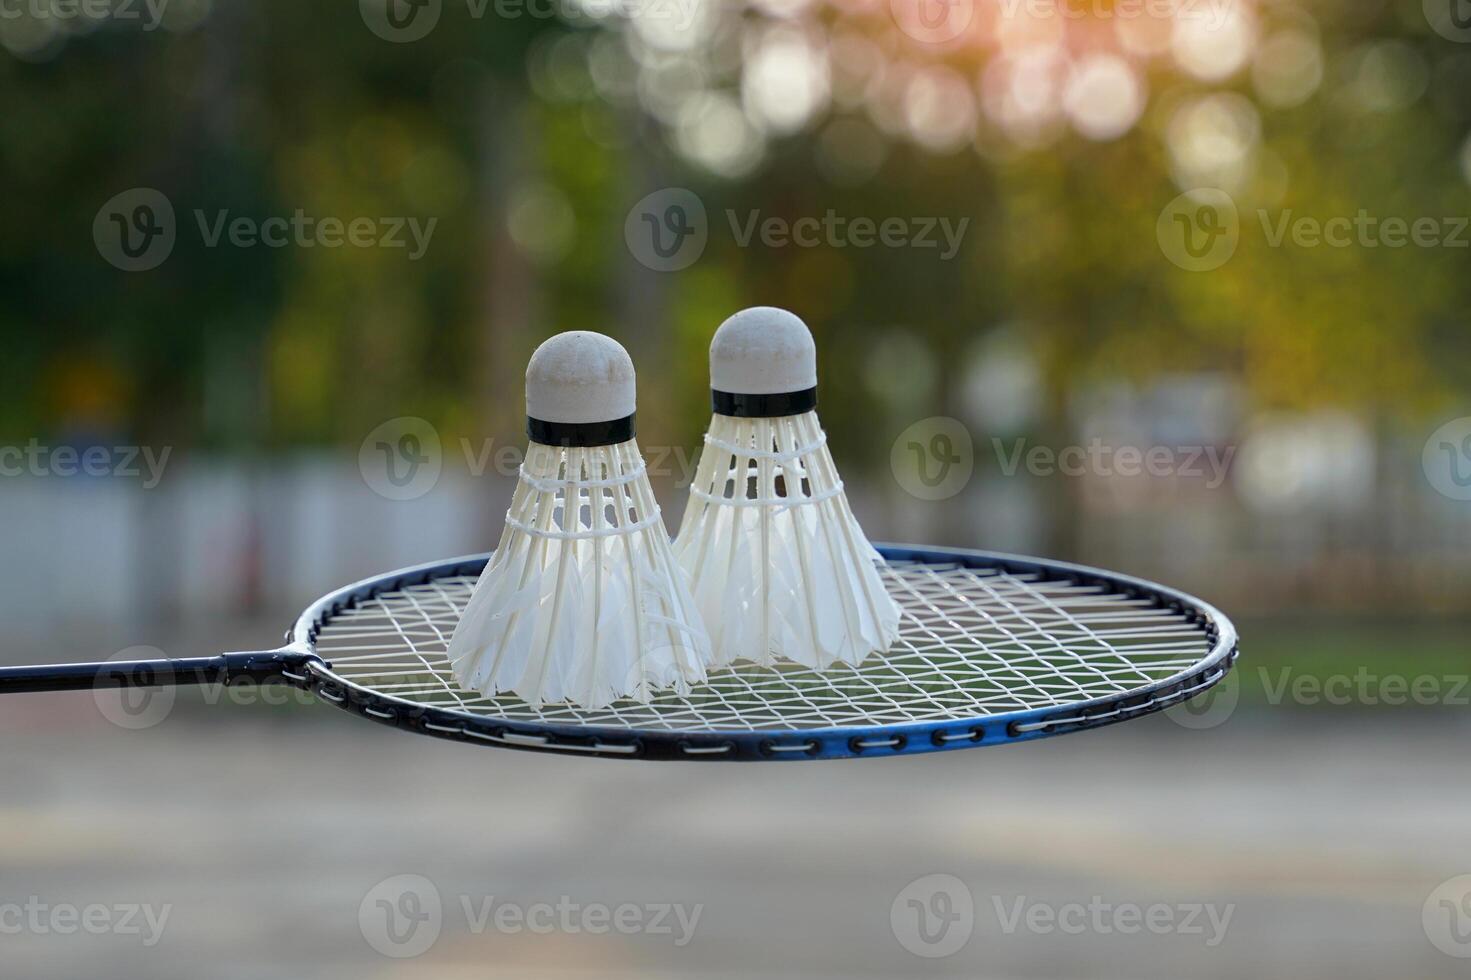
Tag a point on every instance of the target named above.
point(763, 351)
point(580, 378)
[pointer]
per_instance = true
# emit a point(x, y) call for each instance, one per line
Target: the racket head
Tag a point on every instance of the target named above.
point(993, 649)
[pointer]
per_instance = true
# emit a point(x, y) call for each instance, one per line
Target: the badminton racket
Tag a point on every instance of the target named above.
point(992, 649)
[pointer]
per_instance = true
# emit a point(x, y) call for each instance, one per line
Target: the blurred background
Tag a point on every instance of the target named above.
point(1174, 287)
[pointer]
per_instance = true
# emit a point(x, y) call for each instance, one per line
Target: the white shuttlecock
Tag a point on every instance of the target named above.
point(779, 565)
point(583, 600)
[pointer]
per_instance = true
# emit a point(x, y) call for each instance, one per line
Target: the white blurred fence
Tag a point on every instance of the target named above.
point(228, 537)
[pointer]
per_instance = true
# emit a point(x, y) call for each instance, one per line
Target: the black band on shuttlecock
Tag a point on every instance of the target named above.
point(569, 434)
point(763, 406)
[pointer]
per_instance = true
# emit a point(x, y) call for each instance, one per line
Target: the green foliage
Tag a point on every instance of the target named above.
point(276, 107)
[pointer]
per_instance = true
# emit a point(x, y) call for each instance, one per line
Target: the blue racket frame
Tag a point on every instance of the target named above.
point(299, 664)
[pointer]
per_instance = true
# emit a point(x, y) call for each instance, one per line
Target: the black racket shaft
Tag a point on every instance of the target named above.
point(225, 668)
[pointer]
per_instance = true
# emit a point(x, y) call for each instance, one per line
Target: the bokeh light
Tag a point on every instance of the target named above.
point(786, 78)
point(712, 130)
point(1214, 48)
point(1290, 462)
point(1020, 75)
point(541, 221)
point(1387, 76)
point(1023, 93)
point(1288, 68)
point(1104, 97)
point(939, 109)
point(1212, 141)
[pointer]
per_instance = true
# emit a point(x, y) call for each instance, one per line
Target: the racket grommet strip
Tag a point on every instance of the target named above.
point(860, 744)
point(972, 735)
point(1204, 681)
point(483, 736)
point(809, 746)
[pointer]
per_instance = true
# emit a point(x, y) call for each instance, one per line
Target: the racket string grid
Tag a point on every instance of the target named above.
point(991, 649)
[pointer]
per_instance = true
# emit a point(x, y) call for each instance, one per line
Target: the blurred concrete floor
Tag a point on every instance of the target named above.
point(265, 829)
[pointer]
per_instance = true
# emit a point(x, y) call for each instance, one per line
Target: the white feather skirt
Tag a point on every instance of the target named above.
point(583, 600)
point(779, 566)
